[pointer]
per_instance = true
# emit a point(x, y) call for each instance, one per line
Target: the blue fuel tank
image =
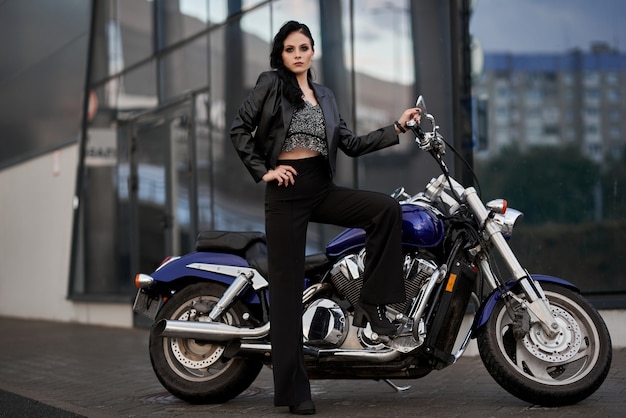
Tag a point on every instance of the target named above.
point(420, 228)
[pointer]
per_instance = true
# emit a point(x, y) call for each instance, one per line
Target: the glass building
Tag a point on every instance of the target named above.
point(167, 77)
point(146, 90)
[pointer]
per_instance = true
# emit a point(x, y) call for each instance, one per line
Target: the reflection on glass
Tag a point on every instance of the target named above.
point(130, 23)
point(181, 20)
point(557, 161)
point(550, 121)
point(383, 41)
point(135, 90)
point(184, 69)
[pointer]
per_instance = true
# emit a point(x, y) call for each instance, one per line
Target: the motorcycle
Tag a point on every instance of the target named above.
point(536, 335)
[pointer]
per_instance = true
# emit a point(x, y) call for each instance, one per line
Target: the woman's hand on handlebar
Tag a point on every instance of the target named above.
point(411, 114)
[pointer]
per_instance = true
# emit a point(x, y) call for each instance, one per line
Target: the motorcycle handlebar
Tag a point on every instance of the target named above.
point(417, 130)
point(428, 141)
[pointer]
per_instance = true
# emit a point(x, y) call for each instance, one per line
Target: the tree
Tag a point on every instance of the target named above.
point(547, 183)
point(614, 189)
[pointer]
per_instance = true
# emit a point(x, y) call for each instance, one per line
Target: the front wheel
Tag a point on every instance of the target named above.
point(541, 370)
point(195, 370)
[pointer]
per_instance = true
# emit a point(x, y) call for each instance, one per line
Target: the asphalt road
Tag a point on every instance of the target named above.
point(12, 405)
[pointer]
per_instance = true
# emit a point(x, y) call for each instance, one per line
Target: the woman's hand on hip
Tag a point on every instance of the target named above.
point(283, 174)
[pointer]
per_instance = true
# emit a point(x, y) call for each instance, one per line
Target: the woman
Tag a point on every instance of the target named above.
point(294, 151)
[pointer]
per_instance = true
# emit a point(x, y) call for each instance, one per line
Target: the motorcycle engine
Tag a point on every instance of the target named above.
point(347, 276)
point(324, 324)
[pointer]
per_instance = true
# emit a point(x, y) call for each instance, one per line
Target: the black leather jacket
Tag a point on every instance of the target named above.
point(269, 113)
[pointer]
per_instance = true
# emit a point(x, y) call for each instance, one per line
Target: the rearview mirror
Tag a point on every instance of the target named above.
point(420, 103)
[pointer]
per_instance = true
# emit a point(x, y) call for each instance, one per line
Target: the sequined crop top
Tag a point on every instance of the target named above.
point(307, 130)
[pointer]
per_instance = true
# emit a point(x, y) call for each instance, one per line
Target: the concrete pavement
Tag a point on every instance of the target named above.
point(50, 369)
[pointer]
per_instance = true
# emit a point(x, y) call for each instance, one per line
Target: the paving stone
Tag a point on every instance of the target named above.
point(97, 372)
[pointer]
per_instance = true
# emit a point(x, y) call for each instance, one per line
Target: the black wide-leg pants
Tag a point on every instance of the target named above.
point(288, 210)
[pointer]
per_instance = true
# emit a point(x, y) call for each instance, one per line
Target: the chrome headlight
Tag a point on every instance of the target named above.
point(507, 220)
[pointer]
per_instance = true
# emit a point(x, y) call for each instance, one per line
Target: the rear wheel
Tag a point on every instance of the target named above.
point(195, 370)
point(543, 370)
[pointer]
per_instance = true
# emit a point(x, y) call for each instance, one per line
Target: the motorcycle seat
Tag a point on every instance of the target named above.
point(250, 245)
point(227, 241)
point(253, 247)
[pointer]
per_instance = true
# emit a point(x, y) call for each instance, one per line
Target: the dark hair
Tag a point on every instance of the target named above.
point(291, 89)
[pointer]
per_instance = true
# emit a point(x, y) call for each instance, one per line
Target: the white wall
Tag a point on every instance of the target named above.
point(35, 241)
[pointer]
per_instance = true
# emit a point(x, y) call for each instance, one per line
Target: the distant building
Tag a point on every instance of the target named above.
point(554, 99)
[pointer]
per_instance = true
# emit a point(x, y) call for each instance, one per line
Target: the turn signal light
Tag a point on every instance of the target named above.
point(143, 281)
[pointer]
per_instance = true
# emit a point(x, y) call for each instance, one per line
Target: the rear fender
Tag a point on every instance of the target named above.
point(485, 310)
point(180, 268)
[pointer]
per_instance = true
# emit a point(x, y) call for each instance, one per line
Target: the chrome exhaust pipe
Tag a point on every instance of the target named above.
point(370, 356)
point(208, 331)
point(325, 355)
point(219, 332)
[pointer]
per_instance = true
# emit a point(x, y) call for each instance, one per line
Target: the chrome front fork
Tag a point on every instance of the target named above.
point(538, 305)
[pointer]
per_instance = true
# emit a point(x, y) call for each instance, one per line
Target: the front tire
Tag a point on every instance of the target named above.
point(194, 370)
point(547, 371)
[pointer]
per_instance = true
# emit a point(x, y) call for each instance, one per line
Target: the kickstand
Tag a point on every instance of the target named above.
point(396, 387)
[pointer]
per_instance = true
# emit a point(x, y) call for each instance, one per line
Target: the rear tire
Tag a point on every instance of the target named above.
point(548, 371)
point(194, 370)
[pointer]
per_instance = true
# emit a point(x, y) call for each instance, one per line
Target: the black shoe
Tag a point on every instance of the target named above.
point(303, 408)
point(375, 315)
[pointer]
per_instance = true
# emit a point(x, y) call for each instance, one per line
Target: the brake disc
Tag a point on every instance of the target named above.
point(559, 348)
point(195, 354)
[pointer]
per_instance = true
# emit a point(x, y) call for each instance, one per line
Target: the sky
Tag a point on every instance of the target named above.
point(548, 26)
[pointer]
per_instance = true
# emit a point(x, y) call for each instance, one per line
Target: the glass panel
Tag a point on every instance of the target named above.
point(101, 243)
point(182, 19)
point(236, 204)
point(42, 76)
point(103, 265)
point(161, 178)
point(256, 42)
point(561, 160)
point(183, 233)
point(123, 225)
point(384, 80)
point(153, 214)
point(213, 12)
point(130, 32)
point(134, 91)
point(382, 39)
point(185, 69)
point(217, 11)
point(203, 121)
point(106, 211)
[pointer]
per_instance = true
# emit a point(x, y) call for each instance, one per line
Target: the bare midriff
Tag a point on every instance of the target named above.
point(297, 154)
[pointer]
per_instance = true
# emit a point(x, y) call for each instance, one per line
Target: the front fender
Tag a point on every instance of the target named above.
point(178, 269)
point(486, 308)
